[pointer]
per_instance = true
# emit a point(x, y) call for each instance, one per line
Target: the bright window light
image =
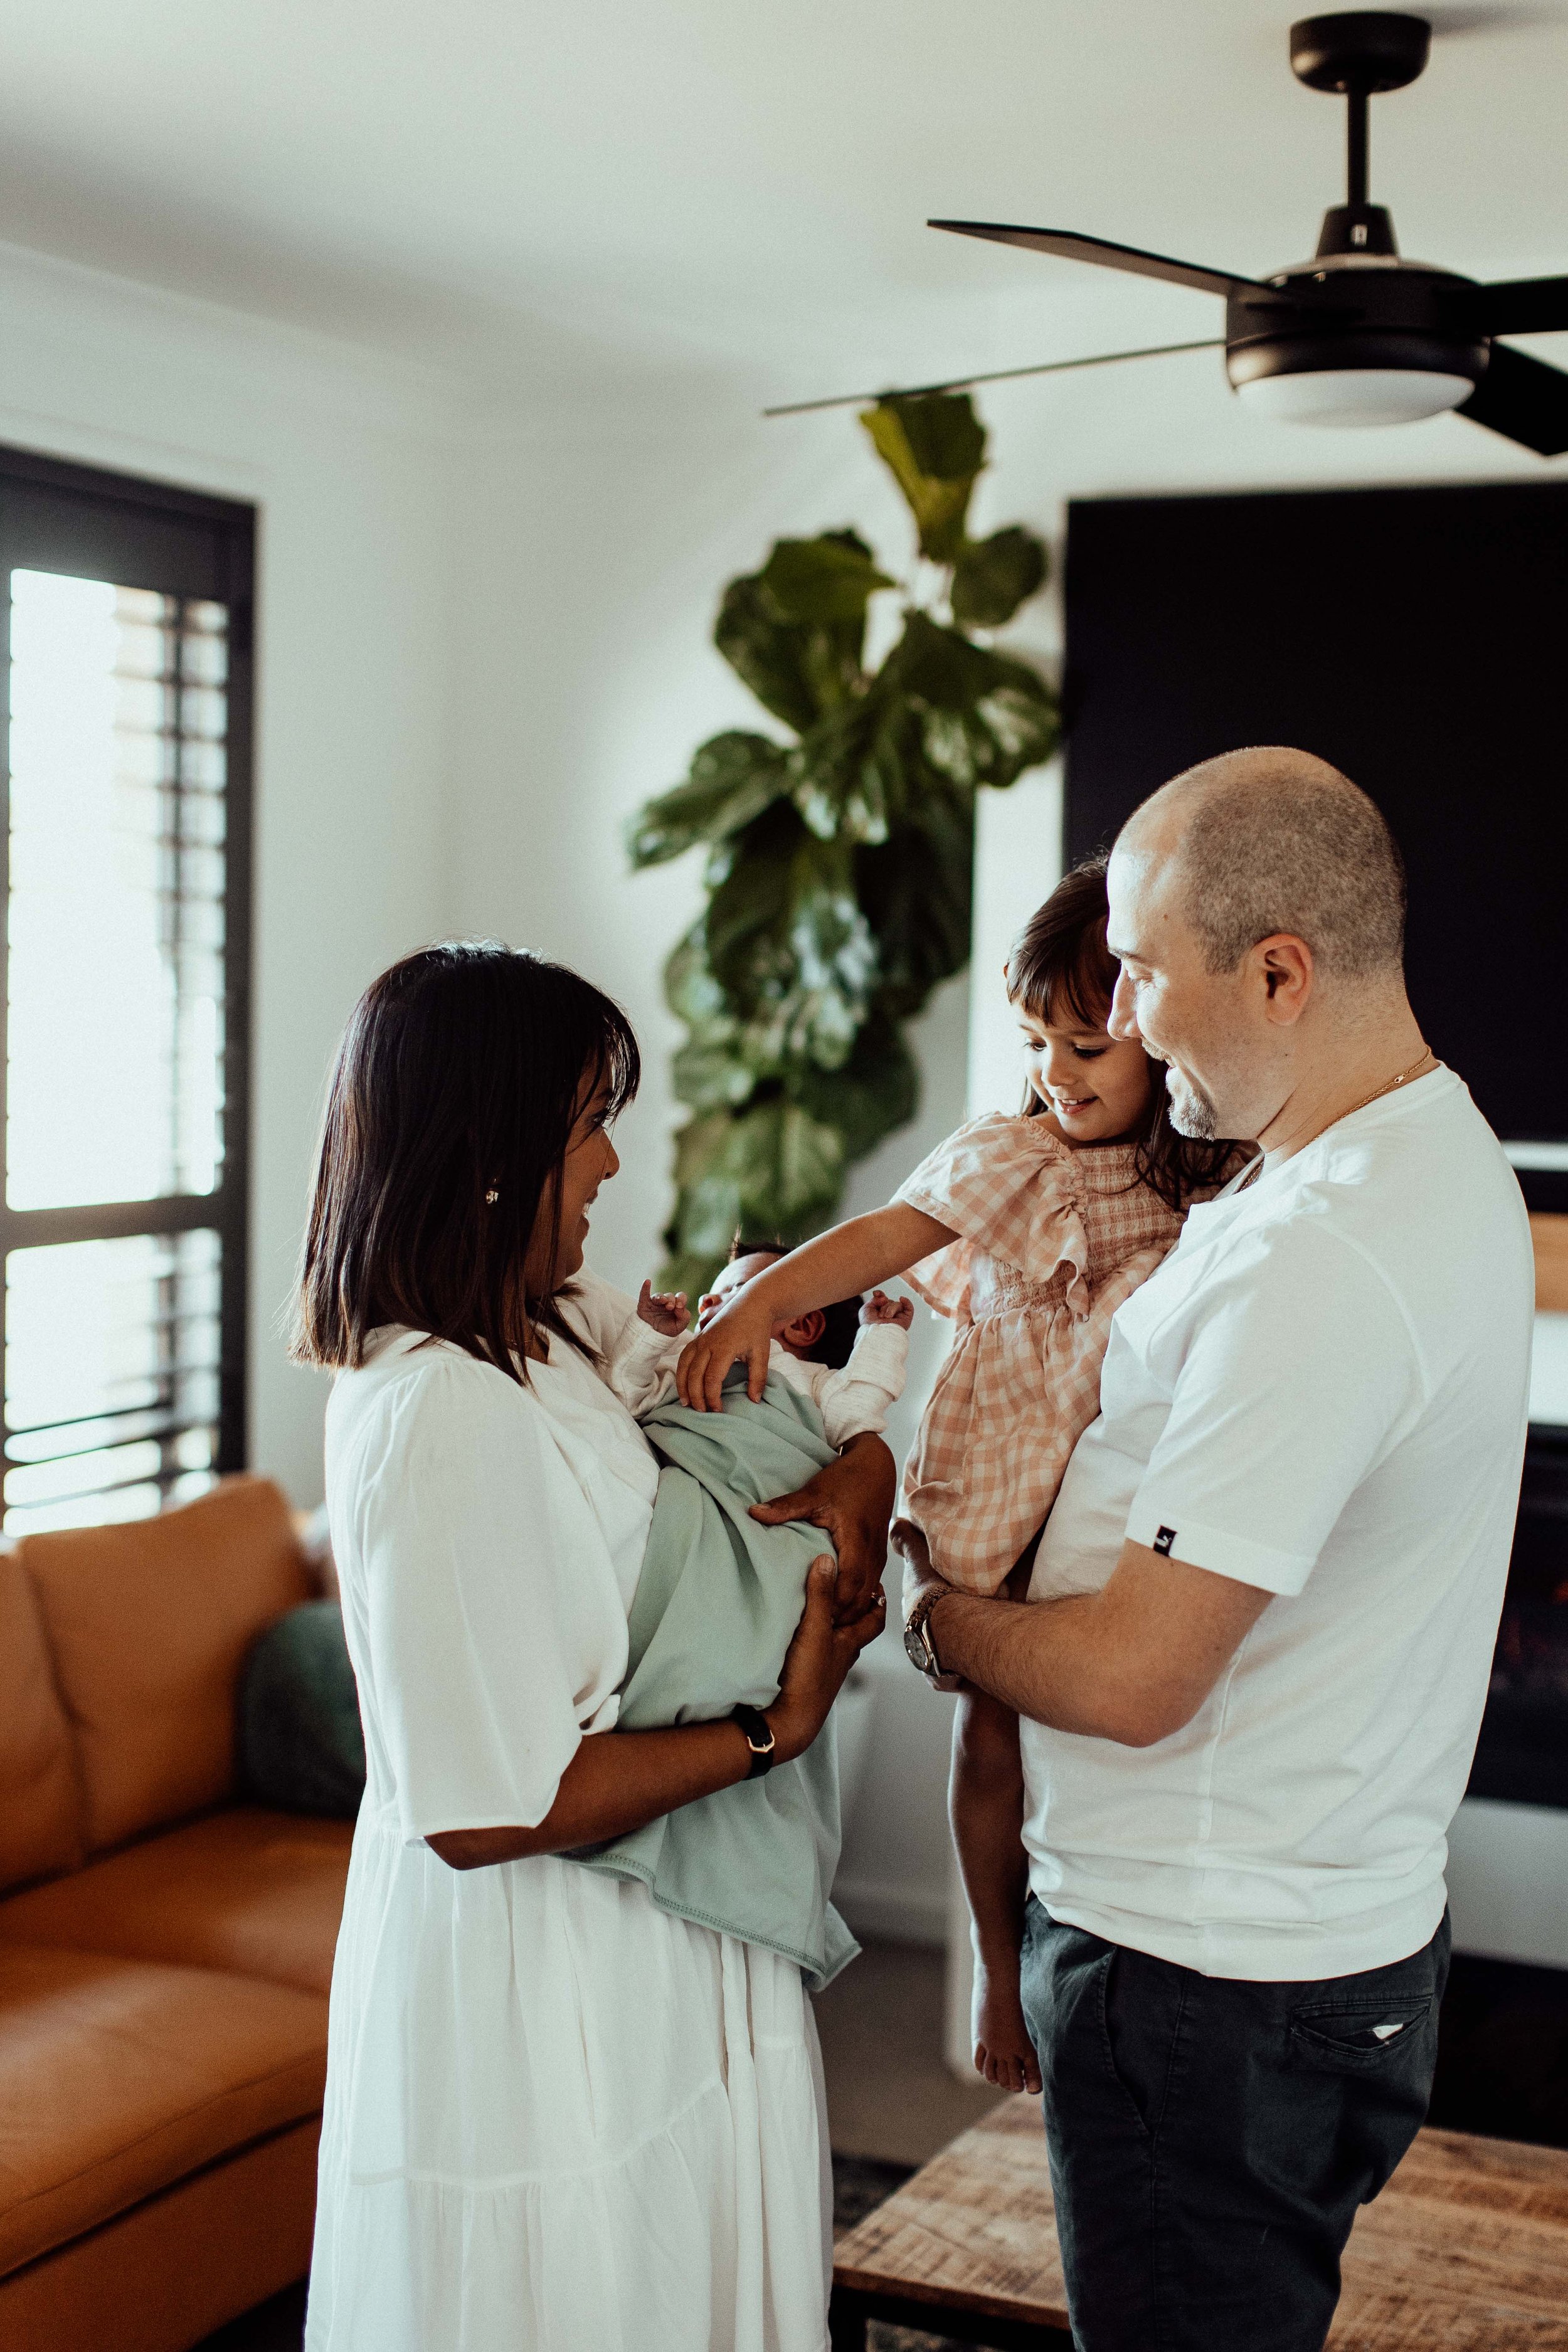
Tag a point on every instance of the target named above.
point(111, 1378)
point(115, 1045)
point(115, 967)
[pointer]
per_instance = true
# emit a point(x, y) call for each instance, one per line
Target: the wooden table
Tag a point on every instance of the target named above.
point(1466, 2251)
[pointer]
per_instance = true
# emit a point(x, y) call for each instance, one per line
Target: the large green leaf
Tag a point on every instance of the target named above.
point(772, 1168)
point(716, 1069)
point(733, 778)
point(787, 942)
point(934, 447)
point(994, 576)
point(823, 580)
point(984, 716)
point(917, 890)
point(847, 775)
point(690, 990)
point(876, 1091)
point(750, 883)
point(769, 654)
point(795, 630)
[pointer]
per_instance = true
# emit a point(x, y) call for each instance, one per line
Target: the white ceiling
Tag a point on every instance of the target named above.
point(674, 184)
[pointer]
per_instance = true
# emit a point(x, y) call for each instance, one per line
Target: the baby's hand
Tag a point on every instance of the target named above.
point(880, 1309)
point(662, 1310)
point(1004, 2053)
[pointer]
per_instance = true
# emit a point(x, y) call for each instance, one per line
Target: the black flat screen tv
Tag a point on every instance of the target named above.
point(1418, 639)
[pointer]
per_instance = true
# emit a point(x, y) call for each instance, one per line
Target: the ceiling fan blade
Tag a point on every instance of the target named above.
point(1522, 306)
point(994, 375)
point(1070, 247)
point(1522, 399)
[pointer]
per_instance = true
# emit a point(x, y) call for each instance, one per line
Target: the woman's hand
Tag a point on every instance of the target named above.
point(741, 1330)
point(820, 1655)
point(851, 1500)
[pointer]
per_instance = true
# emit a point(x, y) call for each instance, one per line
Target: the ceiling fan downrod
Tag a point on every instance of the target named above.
point(1357, 54)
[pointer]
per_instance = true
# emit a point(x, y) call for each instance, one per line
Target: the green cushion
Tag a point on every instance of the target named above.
point(300, 1746)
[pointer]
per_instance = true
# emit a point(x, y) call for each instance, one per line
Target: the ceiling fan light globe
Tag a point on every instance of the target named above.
point(1352, 396)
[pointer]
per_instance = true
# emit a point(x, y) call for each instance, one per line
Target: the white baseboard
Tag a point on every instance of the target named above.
point(893, 1913)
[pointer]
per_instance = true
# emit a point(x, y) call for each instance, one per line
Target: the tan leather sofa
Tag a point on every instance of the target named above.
point(165, 1948)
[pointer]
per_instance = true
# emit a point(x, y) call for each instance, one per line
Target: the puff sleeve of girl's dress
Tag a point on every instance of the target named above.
point(1003, 1185)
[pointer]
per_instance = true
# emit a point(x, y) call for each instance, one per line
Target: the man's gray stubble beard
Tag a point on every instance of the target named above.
point(1193, 1114)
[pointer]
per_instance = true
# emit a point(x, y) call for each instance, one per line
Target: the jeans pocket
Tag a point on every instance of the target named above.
point(1106, 2009)
point(1369, 2037)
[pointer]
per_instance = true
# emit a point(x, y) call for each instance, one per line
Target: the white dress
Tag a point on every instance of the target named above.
point(556, 2117)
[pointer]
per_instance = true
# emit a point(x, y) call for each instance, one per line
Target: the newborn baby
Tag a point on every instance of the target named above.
point(720, 1595)
point(849, 1358)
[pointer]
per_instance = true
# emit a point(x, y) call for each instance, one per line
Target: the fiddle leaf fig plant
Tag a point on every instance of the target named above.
point(839, 857)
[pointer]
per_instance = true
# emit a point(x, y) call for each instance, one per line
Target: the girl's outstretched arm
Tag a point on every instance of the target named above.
point(851, 1257)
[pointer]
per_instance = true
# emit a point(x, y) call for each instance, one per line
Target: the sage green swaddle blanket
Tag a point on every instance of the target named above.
point(716, 1604)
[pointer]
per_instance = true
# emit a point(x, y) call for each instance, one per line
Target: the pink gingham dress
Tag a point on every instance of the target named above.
point(1050, 1241)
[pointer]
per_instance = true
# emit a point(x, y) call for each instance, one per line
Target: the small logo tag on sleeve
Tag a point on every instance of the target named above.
point(1164, 1540)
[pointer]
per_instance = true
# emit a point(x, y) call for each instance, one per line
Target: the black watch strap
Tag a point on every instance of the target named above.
point(759, 1734)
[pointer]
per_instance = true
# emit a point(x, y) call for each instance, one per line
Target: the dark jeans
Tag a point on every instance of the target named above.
point(1211, 2138)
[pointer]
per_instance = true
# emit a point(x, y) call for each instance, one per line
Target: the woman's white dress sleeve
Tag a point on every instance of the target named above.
point(469, 1521)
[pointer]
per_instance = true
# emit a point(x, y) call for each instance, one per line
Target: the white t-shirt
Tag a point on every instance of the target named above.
point(1321, 1393)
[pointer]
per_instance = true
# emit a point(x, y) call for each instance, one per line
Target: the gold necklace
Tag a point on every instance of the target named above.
point(1389, 1085)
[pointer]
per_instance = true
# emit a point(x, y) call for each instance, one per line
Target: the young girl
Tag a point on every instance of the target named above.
point(1029, 1231)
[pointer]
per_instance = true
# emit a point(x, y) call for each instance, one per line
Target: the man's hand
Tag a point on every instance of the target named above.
point(741, 1330)
point(908, 1541)
point(851, 1500)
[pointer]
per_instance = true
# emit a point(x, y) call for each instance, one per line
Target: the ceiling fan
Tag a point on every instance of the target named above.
point(1357, 335)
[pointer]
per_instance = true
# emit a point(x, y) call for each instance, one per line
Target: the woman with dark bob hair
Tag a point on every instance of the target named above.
point(556, 2116)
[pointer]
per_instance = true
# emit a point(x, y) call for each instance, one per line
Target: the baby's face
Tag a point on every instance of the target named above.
point(798, 1337)
point(733, 1278)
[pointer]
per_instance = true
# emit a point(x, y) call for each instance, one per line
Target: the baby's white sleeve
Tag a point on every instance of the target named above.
point(641, 1371)
point(855, 1399)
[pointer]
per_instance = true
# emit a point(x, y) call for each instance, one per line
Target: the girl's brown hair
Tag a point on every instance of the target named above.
point(461, 1077)
point(1061, 970)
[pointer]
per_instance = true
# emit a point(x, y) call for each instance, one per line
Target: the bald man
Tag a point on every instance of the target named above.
point(1254, 1651)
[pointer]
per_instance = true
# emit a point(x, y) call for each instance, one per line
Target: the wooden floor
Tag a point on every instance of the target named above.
point(1466, 2251)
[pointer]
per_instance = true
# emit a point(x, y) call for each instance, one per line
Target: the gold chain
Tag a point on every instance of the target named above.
point(1389, 1084)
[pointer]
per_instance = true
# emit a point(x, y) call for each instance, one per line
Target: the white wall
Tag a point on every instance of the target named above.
point(349, 461)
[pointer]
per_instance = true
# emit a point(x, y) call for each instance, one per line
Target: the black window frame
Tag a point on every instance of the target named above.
point(87, 522)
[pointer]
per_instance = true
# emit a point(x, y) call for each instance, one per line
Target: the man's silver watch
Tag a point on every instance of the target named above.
point(918, 1644)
